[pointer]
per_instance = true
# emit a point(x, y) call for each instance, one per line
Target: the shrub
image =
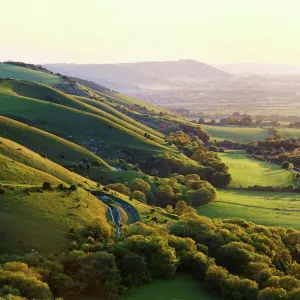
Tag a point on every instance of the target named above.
point(47, 186)
point(43, 155)
point(140, 196)
point(221, 179)
point(73, 187)
point(285, 164)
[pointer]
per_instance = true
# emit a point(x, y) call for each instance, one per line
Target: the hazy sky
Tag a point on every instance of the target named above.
point(108, 31)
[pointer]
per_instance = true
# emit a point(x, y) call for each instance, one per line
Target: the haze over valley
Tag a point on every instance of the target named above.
point(140, 159)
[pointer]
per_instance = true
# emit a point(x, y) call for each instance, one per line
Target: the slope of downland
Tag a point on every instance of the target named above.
point(13, 71)
point(13, 172)
point(105, 107)
point(81, 126)
point(29, 158)
point(40, 221)
point(41, 141)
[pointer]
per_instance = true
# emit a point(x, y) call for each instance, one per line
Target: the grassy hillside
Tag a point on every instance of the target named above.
point(97, 133)
point(29, 158)
point(181, 287)
point(237, 134)
point(41, 221)
point(54, 147)
point(265, 208)
point(248, 171)
point(13, 172)
point(105, 107)
point(18, 72)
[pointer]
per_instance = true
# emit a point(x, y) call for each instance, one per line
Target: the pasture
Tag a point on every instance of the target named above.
point(243, 135)
point(264, 208)
point(247, 171)
point(180, 287)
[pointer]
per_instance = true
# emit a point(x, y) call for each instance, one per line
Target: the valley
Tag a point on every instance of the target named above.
point(110, 197)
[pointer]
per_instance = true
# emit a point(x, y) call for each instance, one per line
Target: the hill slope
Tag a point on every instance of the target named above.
point(41, 221)
point(54, 147)
point(142, 75)
point(27, 157)
point(88, 129)
point(184, 69)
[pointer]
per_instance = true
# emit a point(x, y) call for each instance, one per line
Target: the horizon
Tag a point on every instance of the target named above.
point(118, 32)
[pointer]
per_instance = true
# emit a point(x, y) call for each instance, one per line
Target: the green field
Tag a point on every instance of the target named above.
point(237, 134)
point(181, 287)
point(265, 208)
point(41, 221)
point(18, 72)
point(290, 132)
point(247, 171)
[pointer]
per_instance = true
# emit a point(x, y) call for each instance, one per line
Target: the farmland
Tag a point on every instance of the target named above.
point(247, 171)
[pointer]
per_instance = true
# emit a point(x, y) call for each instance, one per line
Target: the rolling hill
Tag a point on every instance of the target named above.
point(143, 75)
point(72, 119)
point(31, 159)
point(54, 147)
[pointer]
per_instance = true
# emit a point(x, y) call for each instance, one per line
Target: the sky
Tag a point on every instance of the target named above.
point(111, 31)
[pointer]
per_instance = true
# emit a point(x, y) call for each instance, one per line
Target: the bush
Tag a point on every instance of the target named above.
point(221, 179)
point(140, 196)
point(47, 186)
point(285, 164)
point(73, 187)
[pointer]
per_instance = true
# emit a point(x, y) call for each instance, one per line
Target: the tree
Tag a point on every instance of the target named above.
point(201, 121)
point(285, 164)
point(100, 274)
point(191, 177)
point(120, 187)
point(215, 277)
point(221, 179)
point(165, 194)
point(135, 270)
point(237, 252)
point(139, 184)
point(47, 186)
point(271, 294)
point(182, 208)
point(140, 196)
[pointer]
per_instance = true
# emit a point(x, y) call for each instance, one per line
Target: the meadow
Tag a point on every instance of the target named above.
point(237, 134)
point(18, 72)
point(41, 221)
point(264, 208)
point(247, 171)
point(180, 287)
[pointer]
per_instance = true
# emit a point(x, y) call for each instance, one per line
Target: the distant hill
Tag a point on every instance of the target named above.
point(142, 75)
point(116, 77)
point(183, 70)
point(259, 69)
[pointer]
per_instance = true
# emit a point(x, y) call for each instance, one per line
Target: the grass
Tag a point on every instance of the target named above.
point(84, 128)
point(265, 208)
point(247, 171)
point(237, 134)
point(180, 287)
point(118, 116)
point(290, 132)
point(43, 142)
point(129, 101)
point(18, 72)
point(31, 159)
point(12, 172)
point(41, 220)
